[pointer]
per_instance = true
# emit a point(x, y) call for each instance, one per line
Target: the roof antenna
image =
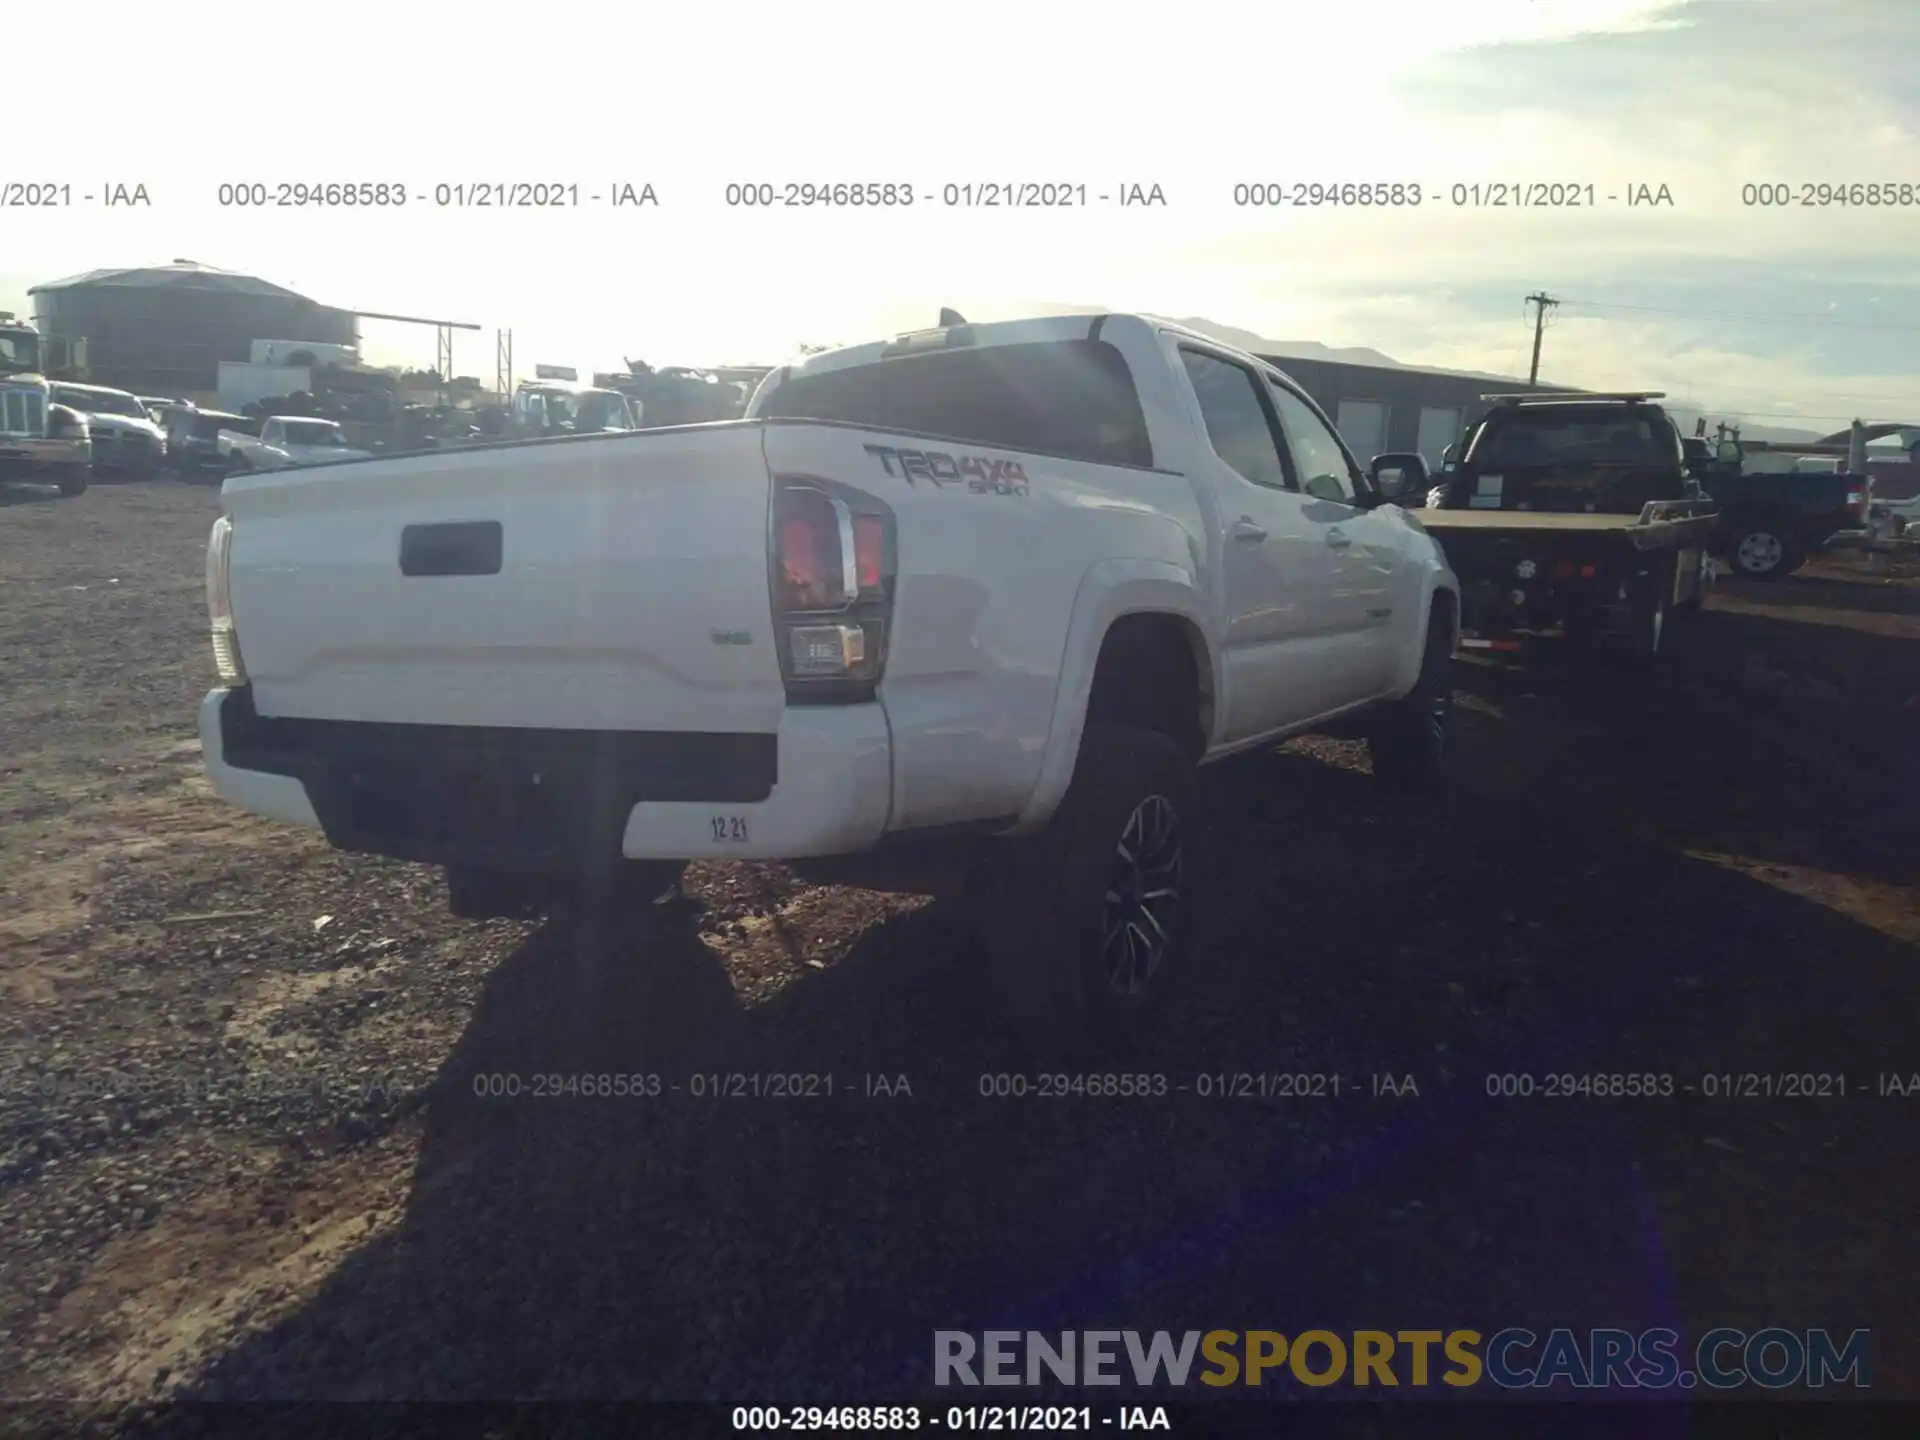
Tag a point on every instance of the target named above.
point(951, 318)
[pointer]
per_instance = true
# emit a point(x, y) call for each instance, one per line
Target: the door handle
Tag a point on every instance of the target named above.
point(1245, 529)
point(1338, 538)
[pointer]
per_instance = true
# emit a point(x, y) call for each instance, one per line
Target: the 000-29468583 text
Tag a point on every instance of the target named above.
point(1357, 194)
point(807, 195)
point(315, 195)
point(1816, 195)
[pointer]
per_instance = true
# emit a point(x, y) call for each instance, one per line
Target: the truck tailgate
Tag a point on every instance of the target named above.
point(606, 583)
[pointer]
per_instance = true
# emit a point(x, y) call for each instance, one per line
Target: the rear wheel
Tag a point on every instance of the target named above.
point(475, 893)
point(1764, 549)
point(632, 887)
point(1086, 926)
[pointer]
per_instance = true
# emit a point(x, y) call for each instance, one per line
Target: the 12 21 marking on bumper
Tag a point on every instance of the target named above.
point(981, 474)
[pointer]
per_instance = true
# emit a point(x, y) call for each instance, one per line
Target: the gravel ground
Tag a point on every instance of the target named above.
point(248, 1149)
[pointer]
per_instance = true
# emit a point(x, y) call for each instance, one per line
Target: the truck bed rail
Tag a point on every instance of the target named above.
point(1659, 522)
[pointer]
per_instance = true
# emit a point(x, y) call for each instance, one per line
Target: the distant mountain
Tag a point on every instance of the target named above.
point(1686, 416)
point(1314, 350)
point(1240, 339)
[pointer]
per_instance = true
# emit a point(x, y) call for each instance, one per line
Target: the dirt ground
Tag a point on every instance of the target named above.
point(246, 1148)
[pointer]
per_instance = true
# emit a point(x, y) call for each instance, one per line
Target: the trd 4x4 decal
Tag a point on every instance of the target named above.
point(980, 474)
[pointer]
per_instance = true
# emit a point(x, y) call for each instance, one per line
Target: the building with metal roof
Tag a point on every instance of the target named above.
point(1377, 403)
point(1381, 408)
point(164, 329)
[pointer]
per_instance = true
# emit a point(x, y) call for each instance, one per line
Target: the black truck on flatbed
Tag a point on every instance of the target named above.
point(1570, 516)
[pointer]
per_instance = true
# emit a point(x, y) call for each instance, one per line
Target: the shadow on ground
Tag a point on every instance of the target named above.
point(21, 494)
point(691, 1247)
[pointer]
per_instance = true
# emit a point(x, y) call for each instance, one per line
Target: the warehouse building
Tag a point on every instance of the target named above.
point(1378, 408)
point(164, 329)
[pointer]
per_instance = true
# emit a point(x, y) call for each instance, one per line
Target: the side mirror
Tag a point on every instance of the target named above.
point(1400, 478)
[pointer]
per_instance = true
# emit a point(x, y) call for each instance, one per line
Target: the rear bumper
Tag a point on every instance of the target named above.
point(821, 786)
point(19, 458)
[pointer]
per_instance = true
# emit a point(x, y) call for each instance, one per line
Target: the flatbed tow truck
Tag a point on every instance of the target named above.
point(1572, 517)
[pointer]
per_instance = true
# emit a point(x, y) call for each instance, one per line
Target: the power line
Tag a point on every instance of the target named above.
point(1909, 402)
point(1842, 420)
point(1746, 318)
point(1911, 399)
point(1772, 414)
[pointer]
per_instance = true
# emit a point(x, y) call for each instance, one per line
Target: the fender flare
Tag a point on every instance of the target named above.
point(1109, 590)
point(1434, 584)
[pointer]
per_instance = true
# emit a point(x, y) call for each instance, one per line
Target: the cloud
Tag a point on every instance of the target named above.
point(1702, 96)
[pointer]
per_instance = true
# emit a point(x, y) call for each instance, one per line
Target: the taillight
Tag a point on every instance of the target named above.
point(869, 550)
point(833, 581)
point(1858, 500)
point(226, 640)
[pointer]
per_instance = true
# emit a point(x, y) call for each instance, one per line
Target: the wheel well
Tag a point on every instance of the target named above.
point(1779, 521)
point(1151, 673)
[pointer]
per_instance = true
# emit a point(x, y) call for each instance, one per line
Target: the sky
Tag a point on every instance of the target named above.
point(1775, 313)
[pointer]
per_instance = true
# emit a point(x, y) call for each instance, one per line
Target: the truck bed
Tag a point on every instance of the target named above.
point(1522, 520)
point(1660, 524)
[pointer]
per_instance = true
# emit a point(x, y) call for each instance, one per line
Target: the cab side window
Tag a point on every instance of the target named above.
point(1237, 423)
point(1319, 459)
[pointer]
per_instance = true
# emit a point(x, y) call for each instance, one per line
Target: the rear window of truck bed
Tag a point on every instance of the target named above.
point(1071, 398)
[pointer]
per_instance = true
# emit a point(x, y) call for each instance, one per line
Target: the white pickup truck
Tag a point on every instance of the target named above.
point(285, 441)
point(984, 594)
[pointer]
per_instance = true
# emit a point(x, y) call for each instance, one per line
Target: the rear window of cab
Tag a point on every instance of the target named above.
point(1075, 399)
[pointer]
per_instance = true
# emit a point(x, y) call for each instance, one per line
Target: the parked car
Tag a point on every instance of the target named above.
point(279, 442)
point(193, 441)
point(975, 601)
point(41, 441)
point(126, 443)
point(1770, 523)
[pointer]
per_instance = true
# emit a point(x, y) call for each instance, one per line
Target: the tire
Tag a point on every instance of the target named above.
point(479, 894)
point(74, 480)
point(1411, 739)
point(1763, 549)
point(633, 887)
point(1087, 926)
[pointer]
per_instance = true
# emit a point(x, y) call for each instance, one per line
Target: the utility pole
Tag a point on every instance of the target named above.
point(1540, 301)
